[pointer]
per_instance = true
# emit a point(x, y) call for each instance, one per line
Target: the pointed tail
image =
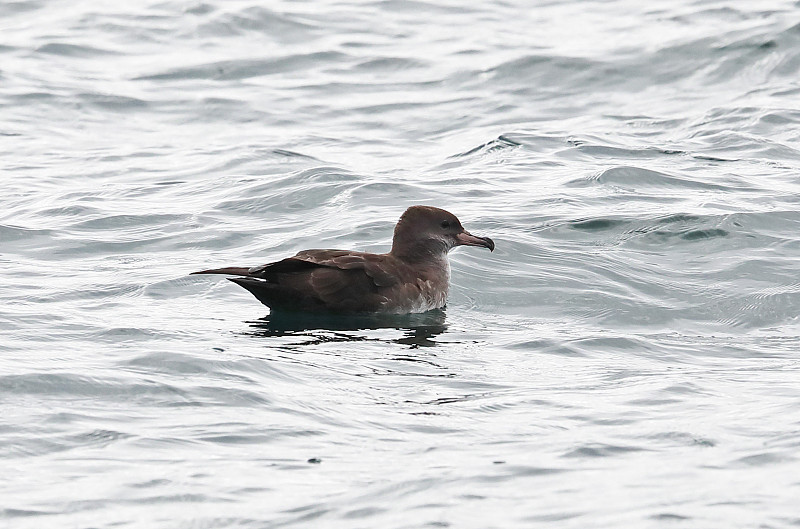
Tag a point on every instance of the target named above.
point(231, 270)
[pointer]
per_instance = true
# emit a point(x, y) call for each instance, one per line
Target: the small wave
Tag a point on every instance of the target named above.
point(258, 20)
point(389, 64)
point(247, 68)
point(498, 144)
point(601, 450)
point(73, 50)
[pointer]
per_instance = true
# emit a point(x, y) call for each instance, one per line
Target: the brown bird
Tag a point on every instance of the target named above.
point(413, 277)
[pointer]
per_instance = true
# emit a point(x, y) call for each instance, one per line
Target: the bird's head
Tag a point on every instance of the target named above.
point(425, 232)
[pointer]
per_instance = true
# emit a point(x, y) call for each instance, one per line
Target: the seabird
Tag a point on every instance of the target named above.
point(413, 277)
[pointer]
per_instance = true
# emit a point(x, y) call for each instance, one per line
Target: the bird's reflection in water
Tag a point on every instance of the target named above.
point(419, 330)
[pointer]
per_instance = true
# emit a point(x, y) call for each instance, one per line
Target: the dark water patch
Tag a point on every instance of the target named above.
point(118, 103)
point(174, 363)
point(10, 233)
point(682, 439)
point(233, 370)
point(612, 231)
point(653, 402)
point(151, 483)
point(689, 228)
point(386, 108)
point(165, 442)
point(764, 459)
point(639, 178)
point(110, 389)
point(555, 517)
point(720, 119)
point(390, 64)
point(466, 183)
point(23, 513)
point(221, 110)
point(549, 347)
point(695, 235)
point(21, 6)
point(597, 224)
point(679, 218)
point(757, 44)
point(584, 149)
point(200, 8)
point(108, 293)
point(670, 64)
point(73, 50)
point(592, 345)
point(685, 389)
point(287, 202)
point(82, 386)
point(293, 154)
point(74, 210)
point(184, 498)
point(743, 56)
point(510, 472)
point(767, 121)
point(110, 223)
point(601, 450)
point(260, 164)
point(324, 174)
point(292, 192)
point(260, 438)
point(544, 71)
point(669, 517)
point(171, 183)
point(37, 96)
point(536, 142)
point(295, 198)
point(720, 142)
point(363, 512)
point(96, 438)
point(452, 400)
point(74, 247)
point(401, 192)
point(418, 6)
point(779, 225)
point(709, 158)
point(240, 69)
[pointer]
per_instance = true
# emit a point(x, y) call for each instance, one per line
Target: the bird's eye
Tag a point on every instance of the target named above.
point(445, 224)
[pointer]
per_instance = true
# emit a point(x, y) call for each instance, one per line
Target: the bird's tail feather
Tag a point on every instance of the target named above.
point(231, 270)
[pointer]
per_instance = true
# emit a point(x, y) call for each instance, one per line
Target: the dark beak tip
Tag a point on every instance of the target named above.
point(467, 239)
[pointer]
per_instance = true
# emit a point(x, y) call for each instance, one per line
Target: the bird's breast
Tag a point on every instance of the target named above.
point(419, 296)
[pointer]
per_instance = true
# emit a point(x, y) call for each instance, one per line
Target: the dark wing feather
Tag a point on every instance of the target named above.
point(336, 280)
point(373, 265)
point(284, 266)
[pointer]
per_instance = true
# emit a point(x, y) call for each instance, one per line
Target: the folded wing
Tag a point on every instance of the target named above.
point(330, 280)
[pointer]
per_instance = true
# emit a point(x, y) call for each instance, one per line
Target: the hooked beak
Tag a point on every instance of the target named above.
point(465, 238)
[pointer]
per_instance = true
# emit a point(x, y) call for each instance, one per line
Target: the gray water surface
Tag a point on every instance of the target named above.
point(627, 357)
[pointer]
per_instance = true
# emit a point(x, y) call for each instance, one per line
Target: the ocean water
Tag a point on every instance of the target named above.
point(629, 356)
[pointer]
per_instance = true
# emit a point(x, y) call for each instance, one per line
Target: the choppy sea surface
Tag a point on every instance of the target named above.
point(628, 357)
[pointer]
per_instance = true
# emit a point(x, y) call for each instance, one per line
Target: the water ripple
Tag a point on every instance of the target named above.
point(635, 331)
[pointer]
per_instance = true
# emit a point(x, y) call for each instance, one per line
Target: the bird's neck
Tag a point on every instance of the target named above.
point(432, 251)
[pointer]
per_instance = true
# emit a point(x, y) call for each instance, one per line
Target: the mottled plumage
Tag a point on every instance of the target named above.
point(413, 277)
